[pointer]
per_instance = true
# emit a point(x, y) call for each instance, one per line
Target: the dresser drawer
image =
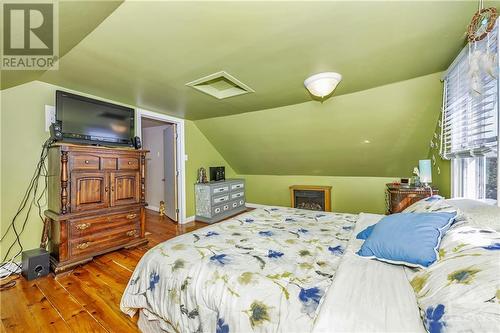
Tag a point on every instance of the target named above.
point(109, 163)
point(88, 226)
point(221, 199)
point(220, 189)
point(217, 210)
point(237, 203)
point(128, 163)
point(84, 162)
point(102, 241)
point(237, 186)
point(237, 195)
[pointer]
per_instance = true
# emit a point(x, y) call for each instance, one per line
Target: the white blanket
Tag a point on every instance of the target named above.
point(368, 295)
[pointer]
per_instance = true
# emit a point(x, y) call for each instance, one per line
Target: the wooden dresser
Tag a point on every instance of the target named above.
point(95, 202)
point(399, 197)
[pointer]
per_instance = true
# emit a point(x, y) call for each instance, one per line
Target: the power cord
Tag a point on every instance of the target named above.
point(32, 197)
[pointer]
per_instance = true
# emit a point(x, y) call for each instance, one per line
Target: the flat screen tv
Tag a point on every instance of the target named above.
point(87, 120)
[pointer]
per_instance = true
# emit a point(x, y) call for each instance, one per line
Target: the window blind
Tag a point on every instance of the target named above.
point(469, 122)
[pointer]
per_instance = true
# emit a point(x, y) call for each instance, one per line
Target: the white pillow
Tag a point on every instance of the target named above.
point(435, 204)
point(478, 213)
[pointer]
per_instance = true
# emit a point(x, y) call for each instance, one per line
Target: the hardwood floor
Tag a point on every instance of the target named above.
point(88, 298)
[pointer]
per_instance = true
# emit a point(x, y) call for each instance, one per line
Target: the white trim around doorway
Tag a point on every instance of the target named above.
point(181, 156)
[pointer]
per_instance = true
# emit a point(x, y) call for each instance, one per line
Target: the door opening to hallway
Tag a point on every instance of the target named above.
point(160, 138)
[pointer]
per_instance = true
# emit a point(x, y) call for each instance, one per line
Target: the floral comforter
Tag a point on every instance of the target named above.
point(263, 271)
point(461, 291)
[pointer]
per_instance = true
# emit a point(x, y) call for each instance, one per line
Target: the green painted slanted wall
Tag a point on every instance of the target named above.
point(328, 139)
point(317, 143)
point(200, 153)
point(349, 194)
point(22, 134)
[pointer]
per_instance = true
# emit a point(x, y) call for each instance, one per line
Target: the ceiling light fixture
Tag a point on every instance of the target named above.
point(322, 84)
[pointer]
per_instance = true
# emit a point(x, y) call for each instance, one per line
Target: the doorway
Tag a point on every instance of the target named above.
point(164, 185)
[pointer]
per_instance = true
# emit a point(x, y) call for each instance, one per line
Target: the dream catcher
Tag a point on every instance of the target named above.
point(482, 23)
point(480, 58)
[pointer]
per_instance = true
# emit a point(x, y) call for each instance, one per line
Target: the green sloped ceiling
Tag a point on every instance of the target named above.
point(76, 20)
point(329, 138)
point(146, 51)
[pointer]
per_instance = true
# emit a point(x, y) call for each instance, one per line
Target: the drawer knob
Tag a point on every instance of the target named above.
point(82, 246)
point(82, 226)
point(131, 216)
point(131, 233)
point(86, 161)
point(129, 162)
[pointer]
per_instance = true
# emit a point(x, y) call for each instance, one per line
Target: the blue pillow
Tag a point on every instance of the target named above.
point(410, 239)
point(365, 233)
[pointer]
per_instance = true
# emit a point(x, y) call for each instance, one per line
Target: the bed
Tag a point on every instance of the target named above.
point(273, 269)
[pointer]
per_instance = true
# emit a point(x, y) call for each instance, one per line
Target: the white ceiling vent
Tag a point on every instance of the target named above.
point(220, 85)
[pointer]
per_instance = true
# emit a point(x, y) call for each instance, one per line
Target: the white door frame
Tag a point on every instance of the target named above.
point(181, 157)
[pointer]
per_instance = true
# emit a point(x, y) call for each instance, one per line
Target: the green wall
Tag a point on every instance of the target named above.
point(442, 180)
point(349, 194)
point(200, 154)
point(22, 134)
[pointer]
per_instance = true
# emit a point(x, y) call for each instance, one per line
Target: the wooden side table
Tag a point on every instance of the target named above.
point(399, 197)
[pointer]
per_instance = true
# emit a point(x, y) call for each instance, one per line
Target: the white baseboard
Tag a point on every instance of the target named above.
point(9, 268)
point(254, 205)
point(154, 208)
point(157, 209)
point(189, 219)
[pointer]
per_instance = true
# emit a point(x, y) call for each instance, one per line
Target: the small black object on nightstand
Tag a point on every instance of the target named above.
point(35, 264)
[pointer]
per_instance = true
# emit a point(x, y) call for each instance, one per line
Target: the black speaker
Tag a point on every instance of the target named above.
point(35, 264)
point(56, 131)
point(137, 142)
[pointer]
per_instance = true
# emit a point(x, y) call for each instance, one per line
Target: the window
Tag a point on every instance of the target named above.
point(475, 177)
point(470, 120)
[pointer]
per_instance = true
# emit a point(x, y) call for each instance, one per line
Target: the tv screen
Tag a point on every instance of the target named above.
point(88, 120)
